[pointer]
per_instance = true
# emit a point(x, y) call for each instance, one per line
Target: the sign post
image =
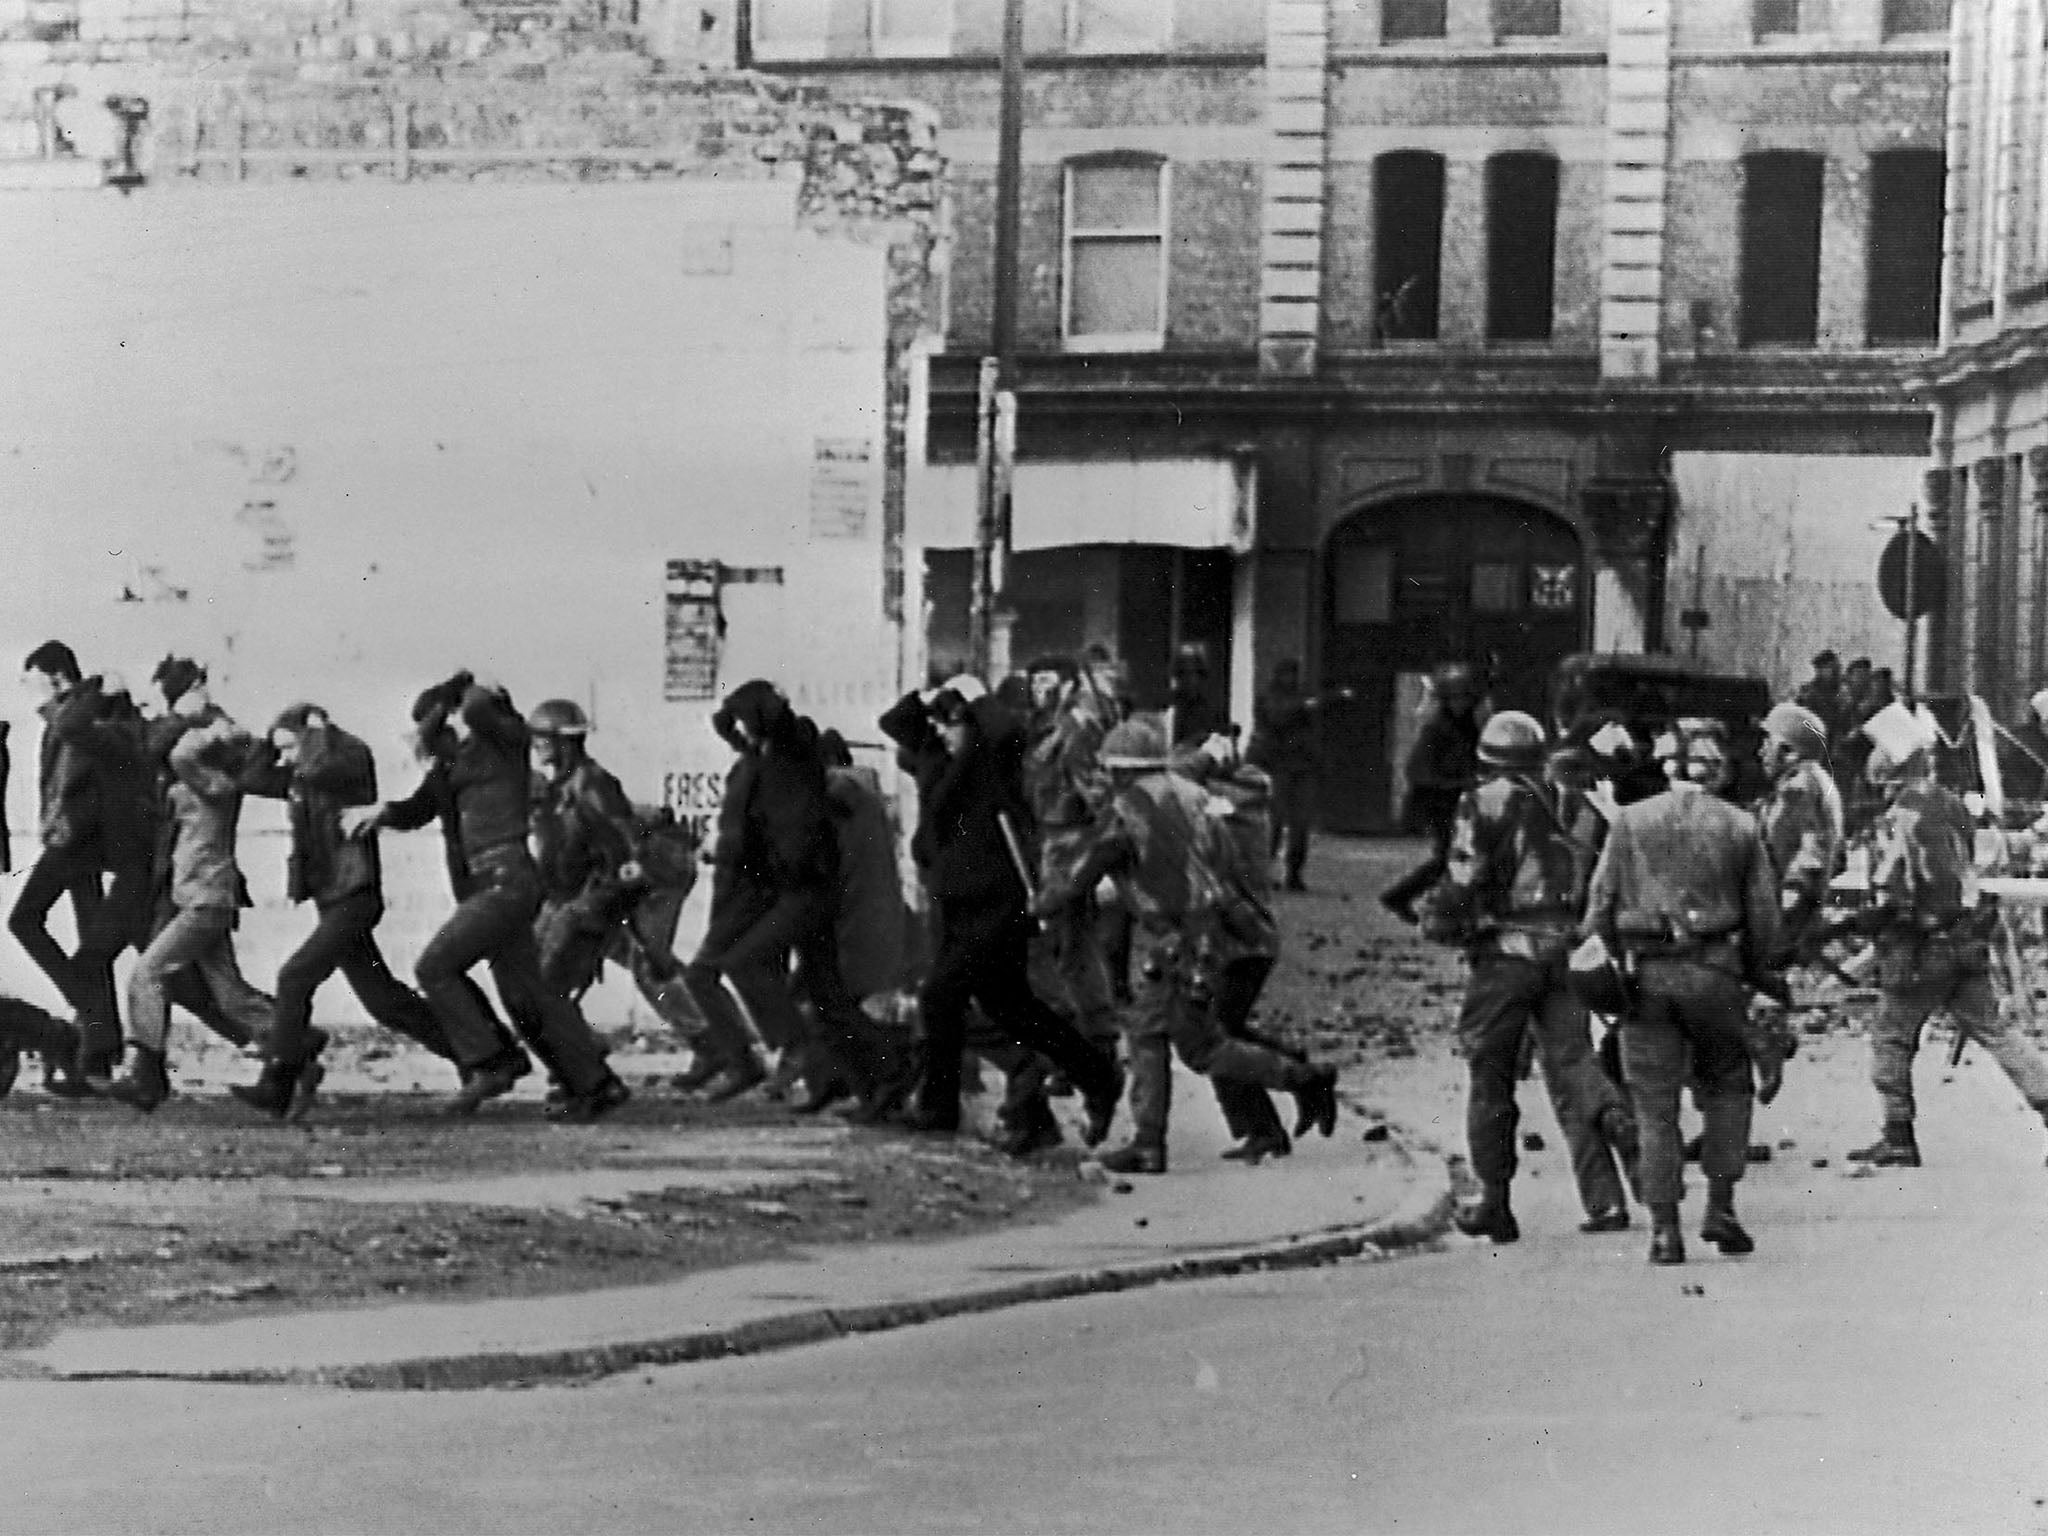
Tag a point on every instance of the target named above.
point(1912, 579)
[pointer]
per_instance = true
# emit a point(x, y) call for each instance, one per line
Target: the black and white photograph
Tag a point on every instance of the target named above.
point(1047, 767)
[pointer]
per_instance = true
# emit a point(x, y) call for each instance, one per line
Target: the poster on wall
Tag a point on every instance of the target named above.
point(692, 630)
point(842, 482)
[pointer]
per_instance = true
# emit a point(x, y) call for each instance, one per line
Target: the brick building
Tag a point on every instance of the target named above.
point(1986, 494)
point(1379, 331)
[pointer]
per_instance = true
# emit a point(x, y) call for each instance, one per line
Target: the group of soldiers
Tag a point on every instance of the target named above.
point(1677, 915)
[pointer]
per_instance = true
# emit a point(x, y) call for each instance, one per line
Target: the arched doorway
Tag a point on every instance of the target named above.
point(1415, 582)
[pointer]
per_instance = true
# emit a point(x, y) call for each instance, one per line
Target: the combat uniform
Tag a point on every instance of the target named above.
point(1933, 952)
point(1685, 890)
point(1801, 823)
point(1067, 787)
point(1511, 895)
point(1173, 866)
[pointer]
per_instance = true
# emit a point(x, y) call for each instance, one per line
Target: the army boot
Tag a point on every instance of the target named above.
point(1315, 1101)
point(1897, 1148)
point(146, 1083)
point(1720, 1226)
point(1491, 1216)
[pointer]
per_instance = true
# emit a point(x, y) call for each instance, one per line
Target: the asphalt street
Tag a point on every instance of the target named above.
point(1881, 1363)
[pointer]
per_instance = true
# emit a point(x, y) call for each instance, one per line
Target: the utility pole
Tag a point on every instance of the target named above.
point(995, 414)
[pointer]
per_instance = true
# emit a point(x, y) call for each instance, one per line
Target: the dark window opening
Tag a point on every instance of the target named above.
point(1408, 224)
point(1915, 16)
point(1521, 246)
point(1780, 249)
point(1775, 16)
point(1404, 19)
point(1526, 18)
point(1905, 245)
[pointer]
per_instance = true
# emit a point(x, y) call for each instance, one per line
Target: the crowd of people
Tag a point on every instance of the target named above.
point(1099, 887)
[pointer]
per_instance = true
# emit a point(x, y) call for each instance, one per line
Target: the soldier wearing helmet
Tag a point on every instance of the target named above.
point(1441, 766)
point(1932, 942)
point(1510, 894)
point(1180, 875)
point(1801, 814)
point(1685, 892)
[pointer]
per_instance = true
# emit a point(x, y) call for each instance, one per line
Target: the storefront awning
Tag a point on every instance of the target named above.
point(1206, 503)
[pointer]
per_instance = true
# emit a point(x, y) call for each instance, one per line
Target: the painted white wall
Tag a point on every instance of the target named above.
point(1781, 550)
point(486, 416)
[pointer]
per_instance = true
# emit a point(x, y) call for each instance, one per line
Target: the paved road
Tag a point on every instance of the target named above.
point(1881, 1364)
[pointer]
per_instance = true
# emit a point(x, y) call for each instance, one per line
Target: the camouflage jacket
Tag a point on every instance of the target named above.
point(1681, 868)
point(1514, 863)
point(1924, 872)
point(1064, 779)
point(1801, 822)
point(1179, 871)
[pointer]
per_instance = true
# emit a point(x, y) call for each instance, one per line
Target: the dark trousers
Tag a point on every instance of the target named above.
point(55, 875)
point(1439, 813)
point(1294, 814)
point(344, 939)
point(1507, 999)
point(493, 923)
point(112, 911)
point(983, 959)
point(1247, 1107)
point(1688, 1028)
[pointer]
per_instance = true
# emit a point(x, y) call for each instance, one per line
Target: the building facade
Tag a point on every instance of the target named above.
point(1380, 332)
point(1986, 493)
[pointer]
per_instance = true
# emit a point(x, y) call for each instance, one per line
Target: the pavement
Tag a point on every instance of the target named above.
point(1338, 1198)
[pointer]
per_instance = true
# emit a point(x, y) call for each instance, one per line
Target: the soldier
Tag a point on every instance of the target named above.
point(1173, 864)
point(1684, 891)
point(1932, 946)
point(1510, 896)
point(1284, 726)
point(1800, 817)
point(317, 768)
point(584, 836)
point(477, 786)
point(1442, 765)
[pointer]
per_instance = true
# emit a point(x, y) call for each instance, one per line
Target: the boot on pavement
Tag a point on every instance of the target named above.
point(1136, 1157)
point(1315, 1102)
point(1259, 1146)
point(494, 1079)
point(1896, 1148)
point(1490, 1217)
point(737, 1079)
point(1100, 1104)
point(1720, 1226)
point(1033, 1128)
point(702, 1070)
point(146, 1083)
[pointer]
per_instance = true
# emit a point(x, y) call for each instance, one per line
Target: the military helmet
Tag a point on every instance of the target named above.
point(1798, 728)
point(1512, 739)
point(1138, 745)
point(558, 717)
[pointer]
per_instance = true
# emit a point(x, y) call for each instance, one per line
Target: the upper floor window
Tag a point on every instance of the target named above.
point(1915, 16)
point(1780, 276)
point(1408, 228)
point(1526, 18)
point(1115, 289)
point(1119, 26)
point(1404, 19)
point(1521, 246)
point(898, 27)
point(791, 29)
point(1768, 16)
point(1904, 303)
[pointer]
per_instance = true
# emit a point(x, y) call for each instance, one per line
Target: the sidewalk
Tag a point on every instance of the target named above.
point(1335, 1198)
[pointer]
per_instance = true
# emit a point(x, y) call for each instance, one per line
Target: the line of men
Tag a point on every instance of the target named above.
point(1668, 914)
point(138, 816)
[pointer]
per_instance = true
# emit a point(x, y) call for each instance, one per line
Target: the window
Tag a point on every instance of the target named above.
point(1770, 16)
point(1119, 26)
point(1408, 226)
point(790, 29)
point(1905, 246)
point(1526, 18)
point(1521, 246)
point(1915, 16)
point(1115, 287)
point(1401, 20)
point(911, 26)
point(1780, 300)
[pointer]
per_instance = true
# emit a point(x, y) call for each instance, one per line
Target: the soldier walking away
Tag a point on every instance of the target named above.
point(1800, 817)
point(774, 893)
point(1175, 867)
point(972, 834)
point(318, 770)
point(1442, 765)
point(1284, 744)
point(477, 786)
point(1933, 946)
point(1510, 898)
point(1685, 892)
point(204, 891)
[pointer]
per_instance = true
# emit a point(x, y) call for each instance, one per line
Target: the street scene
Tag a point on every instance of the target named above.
point(1027, 765)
